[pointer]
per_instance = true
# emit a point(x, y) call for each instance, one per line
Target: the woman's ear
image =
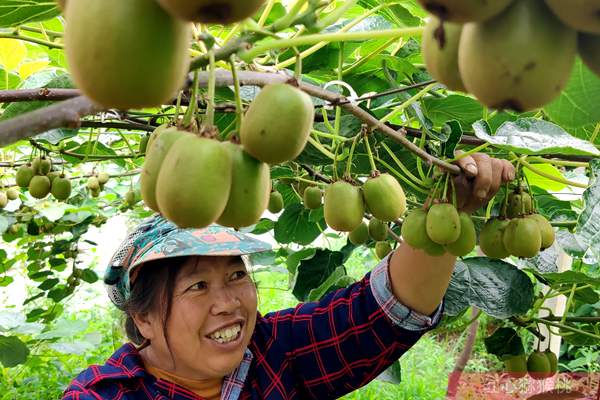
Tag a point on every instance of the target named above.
point(145, 325)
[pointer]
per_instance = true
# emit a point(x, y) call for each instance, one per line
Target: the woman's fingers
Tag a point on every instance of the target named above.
point(483, 180)
point(468, 165)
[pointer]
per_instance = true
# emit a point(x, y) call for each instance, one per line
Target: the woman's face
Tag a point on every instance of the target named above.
point(212, 319)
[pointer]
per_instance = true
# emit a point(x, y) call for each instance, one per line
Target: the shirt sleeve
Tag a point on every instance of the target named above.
point(345, 340)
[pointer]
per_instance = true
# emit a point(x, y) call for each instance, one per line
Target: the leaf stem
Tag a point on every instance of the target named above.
point(30, 39)
point(369, 153)
point(402, 166)
point(565, 327)
point(321, 149)
point(401, 176)
point(472, 151)
point(350, 156)
point(546, 175)
point(400, 109)
point(560, 163)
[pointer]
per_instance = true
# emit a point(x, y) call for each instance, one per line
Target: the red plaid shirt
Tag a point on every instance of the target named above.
point(319, 350)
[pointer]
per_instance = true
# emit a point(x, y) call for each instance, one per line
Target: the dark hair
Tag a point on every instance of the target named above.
point(152, 291)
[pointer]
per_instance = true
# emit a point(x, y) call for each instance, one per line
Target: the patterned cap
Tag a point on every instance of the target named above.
point(157, 238)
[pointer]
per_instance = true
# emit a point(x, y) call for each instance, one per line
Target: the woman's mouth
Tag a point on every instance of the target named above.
point(226, 335)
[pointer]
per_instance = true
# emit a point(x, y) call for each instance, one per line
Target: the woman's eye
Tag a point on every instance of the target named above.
point(241, 274)
point(200, 286)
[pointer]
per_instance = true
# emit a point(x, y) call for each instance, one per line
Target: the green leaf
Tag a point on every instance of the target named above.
point(48, 284)
point(8, 80)
point(494, 286)
point(327, 286)
point(18, 12)
point(293, 260)
point(12, 351)
point(588, 225)
point(542, 182)
point(570, 278)
point(294, 226)
point(89, 276)
point(534, 136)
point(392, 375)
point(577, 104)
point(505, 341)
point(463, 109)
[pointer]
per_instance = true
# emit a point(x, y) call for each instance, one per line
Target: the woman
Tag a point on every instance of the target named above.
point(191, 313)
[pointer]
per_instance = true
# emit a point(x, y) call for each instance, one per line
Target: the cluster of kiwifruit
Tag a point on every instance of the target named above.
point(143, 45)
point(8, 195)
point(376, 230)
point(227, 183)
point(539, 365)
point(510, 54)
point(519, 231)
point(439, 229)
point(40, 180)
point(95, 183)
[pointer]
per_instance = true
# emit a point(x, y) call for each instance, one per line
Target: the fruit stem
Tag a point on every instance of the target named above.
point(326, 120)
point(472, 151)
point(17, 36)
point(419, 159)
point(191, 110)
point(368, 57)
point(285, 21)
point(336, 14)
point(560, 163)
point(330, 136)
point(595, 134)
point(239, 108)
point(254, 52)
point(321, 148)
point(569, 301)
point(266, 12)
point(350, 156)
point(445, 195)
point(369, 153)
point(565, 327)
point(311, 182)
point(402, 166)
point(539, 172)
point(131, 150)
point(402, 177)
point(210, 108)
point(400, 109)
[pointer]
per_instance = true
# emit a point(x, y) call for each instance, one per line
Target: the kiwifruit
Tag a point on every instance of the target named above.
point(157, 152)
point(443, 223)
point(3, 199)
point(103, 178)
point(312, 197)
point(359, 235)
point(491, 238)
point(212, 11)
point(384, 197)
point(250, 189)
point(277, 123)
point(275, 202)
point(132, 197)
point(515, 366)
point(440, 52)
point(39, 187)
point(414, 229)
point(344, 206)
point(546, 230)
point(552, 360)
point(143, 144)
point(522, 237)
point(378, 230)
point(126, 54)
point(61, 188)
point(538, 365)
point(93, 183)
point(504, 61)
point(194, 181)
point(382, 249)
point(42, 165)
point(465, 10)
point(581, 15)
point(53, 175)
point(589, 50)
point(24, 175)
point(467, 240)
point(12, 194)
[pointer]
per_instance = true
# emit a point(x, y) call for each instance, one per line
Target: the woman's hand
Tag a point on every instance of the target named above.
point(481, 180)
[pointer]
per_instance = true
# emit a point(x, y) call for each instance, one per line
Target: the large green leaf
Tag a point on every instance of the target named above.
point(588, 225)
point(294, 225)
point(577, 106)
point(12, 351)
point(17, 12)
point(494, 286)
point(505, 341)
point(534, 136)
point(463, 109)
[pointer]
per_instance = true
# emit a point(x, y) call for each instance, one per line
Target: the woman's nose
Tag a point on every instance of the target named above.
point(224, 301)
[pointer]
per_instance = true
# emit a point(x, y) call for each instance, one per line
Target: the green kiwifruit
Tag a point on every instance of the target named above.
point(312, 197)
point(250, 189)
point(378, 230)
point(143, 144)
point(382, 249)
point(522, 238)
point(277, 123)
point(414, 229)
point(433, 249)
point(515, 205)
point(12, 194)
point(156, 133)
point(538, 365)
point(132, 197)
point(39, 187)
point(360, 235)
point(3, 199)
point(61, 188)
point(491, 238)
point(93, 183)
point(527, 201)
point(443, 223)
point(384, 197)
point(553, 361)
point(440, 52)
point(212, 11)
point(581, 15)
point(95, 192)
point(194, 182)
point(42, 165)
point(52, 175)
point(344, 206)
point(504, 61)
point(157, 152)
point(103, 178)
point(589, 50)
point(546, 230)
point(465, 10)
point(126, 54)
point(24, 175)
point(515, 366)
point(275, 203)
point(467, 240)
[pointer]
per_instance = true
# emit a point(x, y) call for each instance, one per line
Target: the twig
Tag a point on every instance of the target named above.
point(13, 96)
point(465, 355)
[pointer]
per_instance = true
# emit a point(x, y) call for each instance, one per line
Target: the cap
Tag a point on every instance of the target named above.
point(157, 238)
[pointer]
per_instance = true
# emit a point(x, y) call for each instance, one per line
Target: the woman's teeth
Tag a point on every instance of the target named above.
point(226, 335)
